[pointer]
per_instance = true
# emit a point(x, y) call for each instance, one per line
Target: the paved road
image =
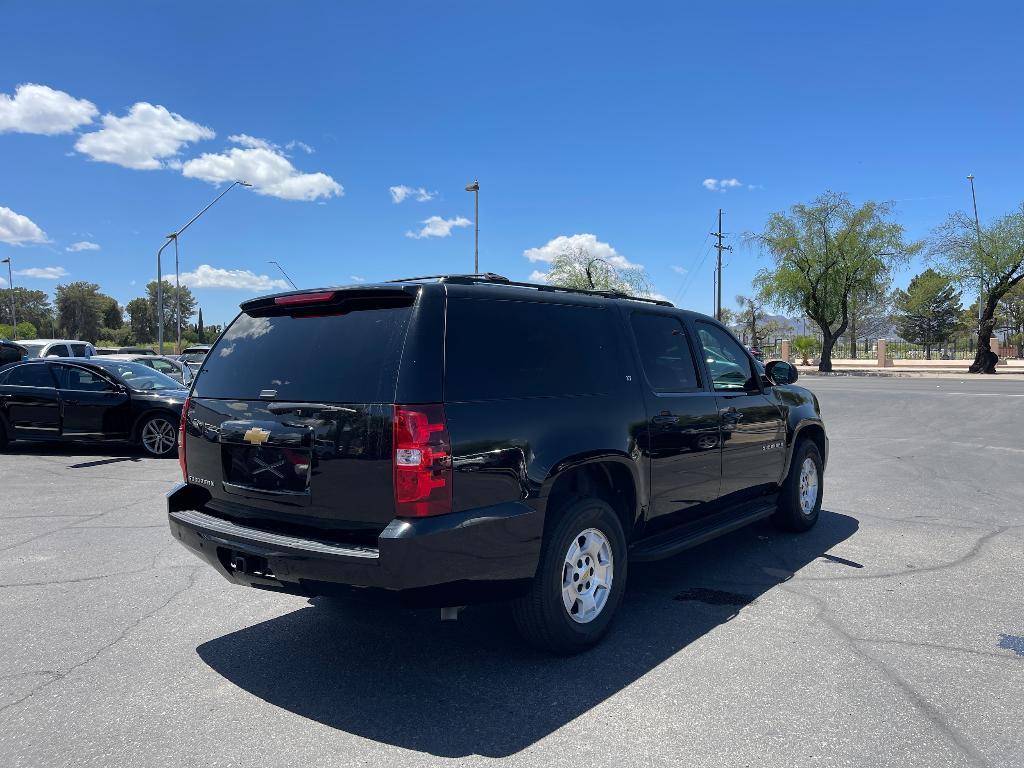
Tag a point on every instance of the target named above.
point(892, 634)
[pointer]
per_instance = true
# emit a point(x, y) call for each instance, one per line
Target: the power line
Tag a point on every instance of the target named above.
point(690, 278)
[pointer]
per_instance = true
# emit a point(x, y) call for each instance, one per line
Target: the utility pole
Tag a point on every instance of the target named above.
point(10, 290)
point(475, 189)
point(718, 269)
point(977, 229)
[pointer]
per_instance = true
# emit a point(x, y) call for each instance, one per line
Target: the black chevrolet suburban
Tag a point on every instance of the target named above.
point(465, 438)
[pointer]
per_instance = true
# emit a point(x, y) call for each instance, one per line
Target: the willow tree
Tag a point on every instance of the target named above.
point(574, 267)
point(826, 253)
point(993, 256)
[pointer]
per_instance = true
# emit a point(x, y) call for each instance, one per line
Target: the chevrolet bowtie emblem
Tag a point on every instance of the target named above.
point(256, 436)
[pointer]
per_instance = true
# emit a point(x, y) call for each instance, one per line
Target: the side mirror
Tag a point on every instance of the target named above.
point(781, 372)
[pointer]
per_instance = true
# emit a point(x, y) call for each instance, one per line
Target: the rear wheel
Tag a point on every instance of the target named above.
point(580, 580)
point(800, 500)
point(158, 436)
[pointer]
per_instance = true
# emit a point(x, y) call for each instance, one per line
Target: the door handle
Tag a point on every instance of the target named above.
point(731, 413)
point(664, 420)
point(71, 402)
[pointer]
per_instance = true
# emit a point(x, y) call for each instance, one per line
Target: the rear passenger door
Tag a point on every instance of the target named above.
point(29, 401)
point(753, 430)
point(683, 437)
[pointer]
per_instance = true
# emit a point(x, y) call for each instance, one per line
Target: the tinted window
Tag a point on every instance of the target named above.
point(78, 350)
point(9, 355)
point(161, 365)
point(33, 350)
point(665, 353)
point(29, 376)
point(137, 376)
point(501, 349)
point(79, 379)
point(727, 361)
point(350, 357)
point(58, 350)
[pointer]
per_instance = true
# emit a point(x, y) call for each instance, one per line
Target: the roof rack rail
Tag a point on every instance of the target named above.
point(490, 277)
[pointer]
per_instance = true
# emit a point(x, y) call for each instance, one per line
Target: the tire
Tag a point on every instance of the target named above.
point(3, 437)
point(158, 435)
point(589, 529)
point(796, 511)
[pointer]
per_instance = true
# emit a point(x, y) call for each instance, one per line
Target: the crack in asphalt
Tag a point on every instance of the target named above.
point(61, 675)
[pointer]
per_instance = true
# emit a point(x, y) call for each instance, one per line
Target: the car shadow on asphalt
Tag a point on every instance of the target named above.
point(471, 687)
point(107, 453)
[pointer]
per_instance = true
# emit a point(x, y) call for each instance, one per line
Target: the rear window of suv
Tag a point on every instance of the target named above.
point(513, 349)
point(350, 357)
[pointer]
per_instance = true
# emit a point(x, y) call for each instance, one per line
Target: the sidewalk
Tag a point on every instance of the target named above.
point(945, 369)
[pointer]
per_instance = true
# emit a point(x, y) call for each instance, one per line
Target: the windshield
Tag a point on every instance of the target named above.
point(193, 357)
point(139, 377)
point(33, 350)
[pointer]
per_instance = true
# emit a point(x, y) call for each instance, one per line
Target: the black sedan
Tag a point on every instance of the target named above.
point(94, 399)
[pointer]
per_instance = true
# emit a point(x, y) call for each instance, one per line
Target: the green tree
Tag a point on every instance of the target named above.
point(80, 310)
point(113, 315)
point(140, 320)
point(1010, 313)
point(575, 268)
point(929, 311)
point(825, 252)
point(200, 330)
point(994, 255)
point(188, 307)
point(23, 332)
point(29, 306)
point(870, 315)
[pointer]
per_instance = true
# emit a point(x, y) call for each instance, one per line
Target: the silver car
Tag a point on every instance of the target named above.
point(176, 370)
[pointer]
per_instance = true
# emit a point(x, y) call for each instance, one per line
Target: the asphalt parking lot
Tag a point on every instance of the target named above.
point(892, 634)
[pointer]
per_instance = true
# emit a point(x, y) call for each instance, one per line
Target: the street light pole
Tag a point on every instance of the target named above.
point(159, 276)
point(10, 290)
point(285, 274)
point(475, 189)
point(177, 299)
point(977, 229)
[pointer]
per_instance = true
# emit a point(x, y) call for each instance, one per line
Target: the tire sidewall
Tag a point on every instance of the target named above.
point(142, 428)
point(587, 513)
point(796, 518)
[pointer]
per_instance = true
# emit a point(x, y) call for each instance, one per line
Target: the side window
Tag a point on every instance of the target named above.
point(161, 365)
point(58, 350)
point(78, 350)
point(664, 353)
point(30, 376)
point(498, 349)
point(727, 361)
point(80, 379)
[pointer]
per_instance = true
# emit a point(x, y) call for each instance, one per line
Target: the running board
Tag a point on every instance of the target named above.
point(673, 542)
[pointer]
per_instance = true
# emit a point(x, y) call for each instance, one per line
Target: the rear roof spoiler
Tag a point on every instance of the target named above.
point(335, 298)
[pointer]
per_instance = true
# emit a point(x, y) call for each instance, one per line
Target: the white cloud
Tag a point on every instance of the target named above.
point(357, 279)
point(538, 277)
point(679, 270)
point(43, 273)
point(401, 192)
point(147, 137)
point(721, 185)
point(41, 109)
point(435, 226)
point(587, 242)
point(261, 164)
point(296, 144)
point(16, 229)
point(82, 245)
point(206, 276)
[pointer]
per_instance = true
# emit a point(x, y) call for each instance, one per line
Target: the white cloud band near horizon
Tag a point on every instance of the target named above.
point(82, 245)
point(43, 273)
point(206, 276)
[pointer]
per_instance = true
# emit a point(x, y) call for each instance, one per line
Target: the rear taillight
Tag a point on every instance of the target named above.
point(181, 440)
point(423, 463)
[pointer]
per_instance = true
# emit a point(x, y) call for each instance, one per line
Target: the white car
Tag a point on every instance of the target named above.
point(58, 348)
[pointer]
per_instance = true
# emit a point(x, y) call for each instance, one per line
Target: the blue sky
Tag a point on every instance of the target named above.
point(593, 118)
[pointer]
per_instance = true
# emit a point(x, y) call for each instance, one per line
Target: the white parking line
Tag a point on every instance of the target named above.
point(993, 447)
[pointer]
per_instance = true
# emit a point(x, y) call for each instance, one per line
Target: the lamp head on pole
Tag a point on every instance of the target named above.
point(474, 187)
point(970, 177)
point(243, 183)
point(5, 261)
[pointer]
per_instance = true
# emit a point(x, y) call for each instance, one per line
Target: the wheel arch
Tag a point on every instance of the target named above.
point(807, 429)
point(611, 476)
